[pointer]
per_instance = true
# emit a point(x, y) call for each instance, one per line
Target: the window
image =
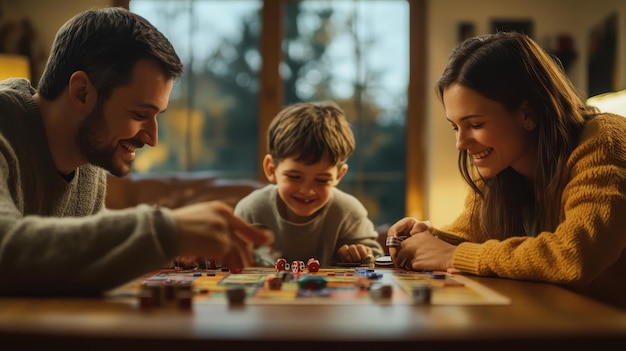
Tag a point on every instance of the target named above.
point(241, 69)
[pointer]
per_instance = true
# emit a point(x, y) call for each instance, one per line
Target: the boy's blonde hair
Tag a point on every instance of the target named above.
point(309, 132)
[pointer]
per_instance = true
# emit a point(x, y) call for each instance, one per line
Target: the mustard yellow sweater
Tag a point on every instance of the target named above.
point(586, 251)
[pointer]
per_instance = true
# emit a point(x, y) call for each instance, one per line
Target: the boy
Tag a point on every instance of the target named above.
point(308, 146)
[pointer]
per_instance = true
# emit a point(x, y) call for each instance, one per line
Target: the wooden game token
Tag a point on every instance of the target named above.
point(184, 299)
point(363, 283)
point(421, 295)
point(168, 292)
point(145, 299)
point(155, 292)
point(236, 295)
point(236, 270)
point(273, 283)
point(381, 291)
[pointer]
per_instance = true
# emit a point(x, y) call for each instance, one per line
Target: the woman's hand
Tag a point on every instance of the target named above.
point(413, 246)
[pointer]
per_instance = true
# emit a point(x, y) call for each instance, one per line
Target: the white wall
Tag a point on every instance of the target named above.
point(446, 189)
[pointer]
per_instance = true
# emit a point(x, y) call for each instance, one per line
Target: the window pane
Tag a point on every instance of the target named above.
point(357, 54)
point(352, 52)
point(211, 122)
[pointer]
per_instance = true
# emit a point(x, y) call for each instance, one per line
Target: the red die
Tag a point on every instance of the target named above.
point(281, 265)
point(313, 265)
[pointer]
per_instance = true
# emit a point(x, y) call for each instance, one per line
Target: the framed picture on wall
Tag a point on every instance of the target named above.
point(602, 51)
point(466, 30)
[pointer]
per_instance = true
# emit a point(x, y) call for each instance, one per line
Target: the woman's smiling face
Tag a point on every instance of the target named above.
point(494, 137)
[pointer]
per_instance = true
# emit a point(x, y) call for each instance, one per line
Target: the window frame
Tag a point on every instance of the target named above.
point(271, 97)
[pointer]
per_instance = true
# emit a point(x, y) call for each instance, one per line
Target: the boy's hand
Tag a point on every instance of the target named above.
point(355, 254)
point(187, 262)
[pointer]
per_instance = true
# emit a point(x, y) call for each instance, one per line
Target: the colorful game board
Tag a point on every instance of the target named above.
point(343, 286)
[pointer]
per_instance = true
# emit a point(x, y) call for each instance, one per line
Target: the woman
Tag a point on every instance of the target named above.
point(547, 176)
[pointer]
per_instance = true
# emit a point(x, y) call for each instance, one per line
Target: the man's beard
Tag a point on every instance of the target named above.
point(94, 147)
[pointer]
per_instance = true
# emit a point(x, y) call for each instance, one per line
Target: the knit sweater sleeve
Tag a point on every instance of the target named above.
point(590, 238)
point(83, 253)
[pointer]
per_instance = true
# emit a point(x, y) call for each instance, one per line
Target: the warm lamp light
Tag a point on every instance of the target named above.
point(14, 66)
point(614, 102)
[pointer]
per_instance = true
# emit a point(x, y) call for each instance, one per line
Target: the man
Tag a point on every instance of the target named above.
point(109, 75)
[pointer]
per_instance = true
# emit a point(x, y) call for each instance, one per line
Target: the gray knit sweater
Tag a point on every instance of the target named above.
point(343, 220)
point(55, 236)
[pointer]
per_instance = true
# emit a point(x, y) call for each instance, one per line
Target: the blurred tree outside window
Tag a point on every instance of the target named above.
point(353, 52)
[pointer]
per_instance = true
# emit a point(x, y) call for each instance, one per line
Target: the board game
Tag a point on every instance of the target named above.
point(340, 285)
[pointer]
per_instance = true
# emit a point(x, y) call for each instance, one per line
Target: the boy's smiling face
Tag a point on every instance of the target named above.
point(303, 189)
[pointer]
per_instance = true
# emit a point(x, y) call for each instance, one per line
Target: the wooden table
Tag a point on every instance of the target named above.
point(540, 317)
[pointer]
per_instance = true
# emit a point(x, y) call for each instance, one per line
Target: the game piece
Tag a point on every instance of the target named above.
point(236, 270)
point(145, 299)
point(184, 299)
point(313, 265)
point(421, 295)
point(168, 292)
point(297, 266)
point(363, 283)
point(236, 295)
point(312, 282)
point(282, 265)
point(154, 291)
point(438, 275)
point(374, 275)
point(381, 291)
point(211, 263)
point(383, 261)
point(273, 283)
